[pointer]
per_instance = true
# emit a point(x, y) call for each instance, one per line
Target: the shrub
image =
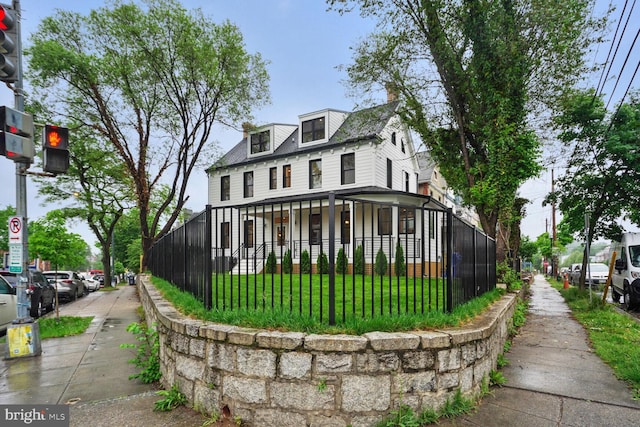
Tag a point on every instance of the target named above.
point(381, 263)
point(287, 263)
point(305, 262)
point(147, 352)
point(358, 260)
point(401, 267)
point(341, 262)
point(271, 262)
point(322, 263)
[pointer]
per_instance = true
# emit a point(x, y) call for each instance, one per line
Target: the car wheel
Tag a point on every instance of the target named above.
point(35, 312)
point(49, 307)
point(74, 295)
point(615, 295)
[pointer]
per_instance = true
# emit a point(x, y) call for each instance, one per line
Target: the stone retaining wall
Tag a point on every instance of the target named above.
point(270, 378)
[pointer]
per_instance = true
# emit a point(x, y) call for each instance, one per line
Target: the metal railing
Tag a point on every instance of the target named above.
point(269, 256)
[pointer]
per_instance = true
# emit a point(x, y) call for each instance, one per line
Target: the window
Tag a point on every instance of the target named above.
point(315, 174)
point(224, 235)
point(286, 176)
point(273, 178)
point(406, 221)
point(402, 144)
point(406, 182)
point(393, 138)
point(313, 130)
point(248, 233)
point(315, 229)
point(345, 235)
point(384, 221)
point(389, 173)
point(260, 142)
point(225, 188)
point(348, 167)
point(248, 184)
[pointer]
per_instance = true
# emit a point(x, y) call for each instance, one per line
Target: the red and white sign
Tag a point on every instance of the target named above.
point(15, 229)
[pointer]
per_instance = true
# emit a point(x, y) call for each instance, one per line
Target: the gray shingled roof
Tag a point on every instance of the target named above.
point(426, 165)
point(362, 125)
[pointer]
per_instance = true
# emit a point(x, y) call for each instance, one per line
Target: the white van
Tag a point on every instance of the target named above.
point(625, 280)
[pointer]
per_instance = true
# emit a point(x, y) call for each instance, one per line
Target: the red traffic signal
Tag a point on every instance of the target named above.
point(56, 137)
point(8, 45)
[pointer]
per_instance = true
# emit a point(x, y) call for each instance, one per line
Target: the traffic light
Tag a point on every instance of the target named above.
point(8, 45)
point(16, 135)
point(55, 149)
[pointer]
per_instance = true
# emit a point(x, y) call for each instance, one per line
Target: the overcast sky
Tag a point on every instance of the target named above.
point(304, 44)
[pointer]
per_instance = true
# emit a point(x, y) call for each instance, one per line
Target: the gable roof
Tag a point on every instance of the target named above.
point(426, 165)
point(362, 125)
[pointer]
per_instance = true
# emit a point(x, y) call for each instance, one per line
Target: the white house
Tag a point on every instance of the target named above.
point(366, 152)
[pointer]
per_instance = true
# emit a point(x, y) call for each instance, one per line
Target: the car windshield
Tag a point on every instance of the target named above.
point(11, 278)
point(599, 268)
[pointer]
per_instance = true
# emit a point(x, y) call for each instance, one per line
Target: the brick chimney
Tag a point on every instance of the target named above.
point(246, 128)
point(392, 92)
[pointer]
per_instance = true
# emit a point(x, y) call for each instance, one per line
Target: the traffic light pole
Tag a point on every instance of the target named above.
point(23, 336)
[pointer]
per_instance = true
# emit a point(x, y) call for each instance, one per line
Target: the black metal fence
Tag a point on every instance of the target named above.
point(330, 257)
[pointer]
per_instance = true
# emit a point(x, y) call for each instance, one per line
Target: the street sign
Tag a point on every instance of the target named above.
point(15, 257)
point(15, 229)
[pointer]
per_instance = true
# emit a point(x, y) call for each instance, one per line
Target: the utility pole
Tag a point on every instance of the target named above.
point(553, 231)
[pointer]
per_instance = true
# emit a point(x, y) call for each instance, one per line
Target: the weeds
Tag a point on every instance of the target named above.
point(496, 378)
point(502, 361)
point(172, 399)
point(147, 352)
point(405, 417)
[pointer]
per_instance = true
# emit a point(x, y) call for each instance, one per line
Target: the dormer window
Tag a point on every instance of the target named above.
point(260, 142)
point(313, 130)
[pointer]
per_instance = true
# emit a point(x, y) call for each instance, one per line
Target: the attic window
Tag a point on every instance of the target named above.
point(260, 142)
point(313, 130)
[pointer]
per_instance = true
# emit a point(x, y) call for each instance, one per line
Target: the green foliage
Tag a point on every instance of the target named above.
point(496, 378)
point(322, 384)
point(402, 416)
point(50, 240)
point(381, 266)
point(287, 262)
point(358, 260)
point(305, 262)
point(459, 405)
point(271, 263)
point(502, 361)
point(401, 266)
point(341, 262)
point(508, 276)
point(63, 326)
point(172, 398)
point(527, 249)
point(147, 352)
point(322, 263)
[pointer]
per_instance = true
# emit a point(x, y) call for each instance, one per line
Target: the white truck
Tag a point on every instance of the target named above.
point(625, 279)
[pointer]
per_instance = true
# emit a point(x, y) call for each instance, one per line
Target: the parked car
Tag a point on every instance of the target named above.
point(596, 274)
point(41, 293)
point(100, 279)
point(625, 279)
point(8, 304)
point(68, 284)
point(90, 284)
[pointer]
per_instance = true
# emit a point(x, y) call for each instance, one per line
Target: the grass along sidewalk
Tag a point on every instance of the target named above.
point(614, 335)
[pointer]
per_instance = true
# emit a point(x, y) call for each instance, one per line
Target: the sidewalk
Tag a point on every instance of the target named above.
point(90, 371)
point(554, 378)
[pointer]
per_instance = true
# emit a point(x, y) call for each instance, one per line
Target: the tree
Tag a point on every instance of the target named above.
point(305, 262)
point(528, 248)
point(50, 240)
point(358, 260)
point(151, 82)
point(322, 263)
point(342, 262)
point(602, 175)
point(5, 214)
point(271, 263)
point(468, 75)
point(287, 262)
point(382, 265)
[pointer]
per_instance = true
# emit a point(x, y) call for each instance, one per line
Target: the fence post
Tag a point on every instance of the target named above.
point(208, 300)
point(332, 257)
point(449, 260)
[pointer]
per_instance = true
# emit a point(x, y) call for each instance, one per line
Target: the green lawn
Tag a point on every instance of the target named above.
point(300, 303)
